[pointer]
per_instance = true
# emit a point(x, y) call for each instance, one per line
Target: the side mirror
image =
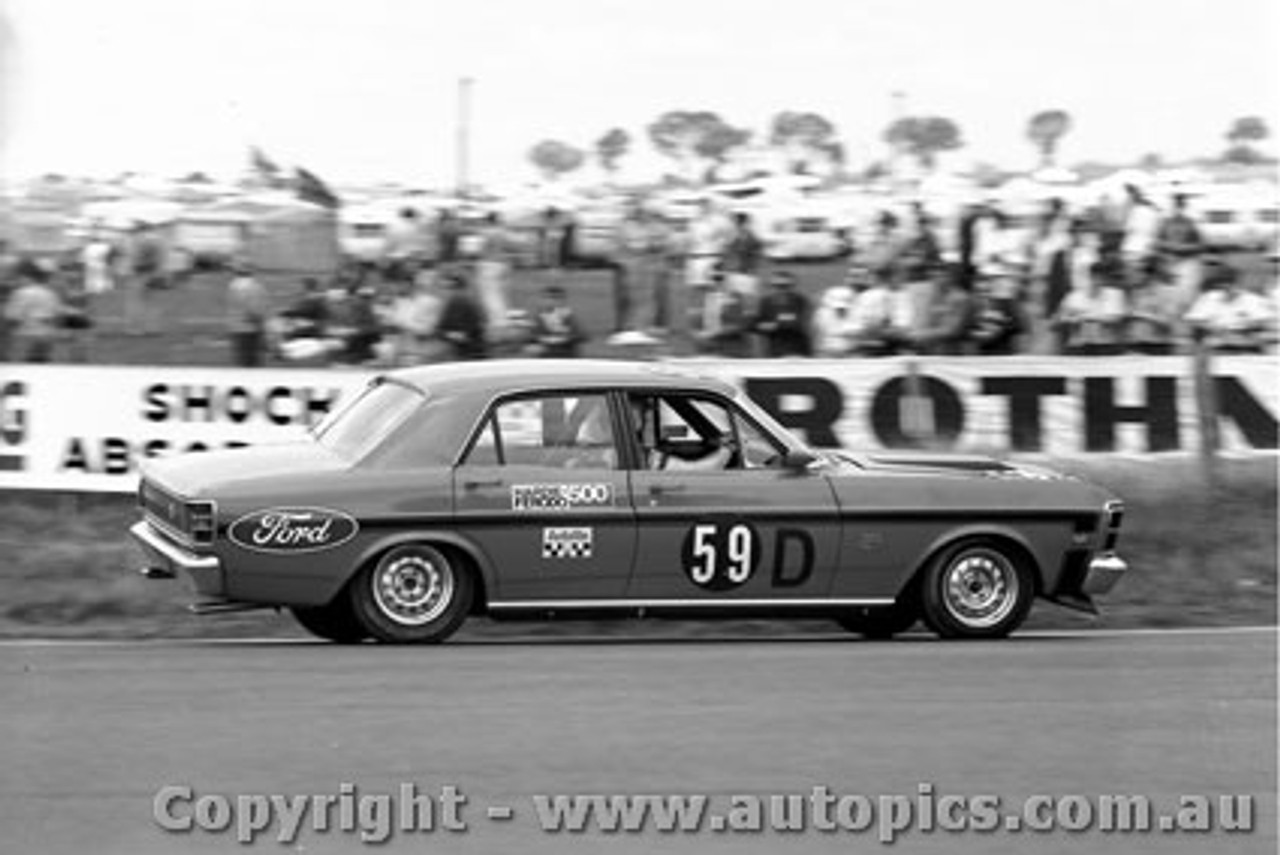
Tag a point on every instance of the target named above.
point(797, 462)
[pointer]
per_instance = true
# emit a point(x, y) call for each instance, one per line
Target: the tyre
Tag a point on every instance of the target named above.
point(977, 588)
point(881, 622)
point(412, 594)
point(333, 622)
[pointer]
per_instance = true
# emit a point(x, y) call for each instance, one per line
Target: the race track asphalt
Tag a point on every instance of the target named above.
point(91, 732)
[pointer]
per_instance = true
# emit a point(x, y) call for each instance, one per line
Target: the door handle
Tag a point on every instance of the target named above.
point(481, 484)
point(661, 489)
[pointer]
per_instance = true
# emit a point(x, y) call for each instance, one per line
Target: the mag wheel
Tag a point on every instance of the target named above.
point(977, 588)
point(880, 622)
point(412, 594)
point(333, 622)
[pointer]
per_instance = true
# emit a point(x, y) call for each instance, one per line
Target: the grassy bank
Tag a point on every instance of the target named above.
point(67, 568)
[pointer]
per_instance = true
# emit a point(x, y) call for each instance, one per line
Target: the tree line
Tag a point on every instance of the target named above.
point(700, 141)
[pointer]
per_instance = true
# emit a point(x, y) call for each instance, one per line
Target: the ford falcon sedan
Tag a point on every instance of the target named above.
point(537, 489)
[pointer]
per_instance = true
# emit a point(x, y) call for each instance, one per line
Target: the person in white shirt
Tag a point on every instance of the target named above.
point(1092, 314)
point(96, 258)
point(832, 330)
point(1141, 230)
point(708, 234)
point(1231, 318)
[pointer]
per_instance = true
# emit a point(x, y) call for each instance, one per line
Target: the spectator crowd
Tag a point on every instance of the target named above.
point(1132, 277)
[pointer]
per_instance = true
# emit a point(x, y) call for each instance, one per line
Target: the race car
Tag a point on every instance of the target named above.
point(545, 488)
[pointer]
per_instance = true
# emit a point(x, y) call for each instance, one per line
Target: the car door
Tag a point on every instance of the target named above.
point(542, 494)
point(718, 518)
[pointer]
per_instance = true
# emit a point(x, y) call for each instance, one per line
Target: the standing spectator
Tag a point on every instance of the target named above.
point(76, 320)
point(722, 325)
point(918, 257)
point(947, 321)
point(743, 252)
point(1141, 230)
point(551, 234)
point(832, 328)
point(412, 317)
point(999, 317)
point(147, 279)
point(462, 321)
point(1229, 317)
point(1180, 245)
point(871, 315)
point(783, 318)
point(35, 312)
point(493, 268)
point(246, 317)
point(448, 238)
point(641, 261)
point(97, 259)
point(1050, 258)
point(8, 284)
point(364, 327)
point(881, 251)
point(707, 238)
point(556, 331)
point(406, 239)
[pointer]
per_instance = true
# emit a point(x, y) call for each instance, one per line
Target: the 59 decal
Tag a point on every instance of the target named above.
point(720, 556)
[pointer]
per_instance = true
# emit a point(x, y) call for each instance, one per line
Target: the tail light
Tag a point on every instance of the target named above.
point(202, 522)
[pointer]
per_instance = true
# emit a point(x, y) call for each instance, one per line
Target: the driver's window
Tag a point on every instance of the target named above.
point(757, 450)
point(684, 433)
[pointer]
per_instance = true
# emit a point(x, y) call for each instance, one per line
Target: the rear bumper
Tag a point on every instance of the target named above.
point(1102, 574)
point(165, 559)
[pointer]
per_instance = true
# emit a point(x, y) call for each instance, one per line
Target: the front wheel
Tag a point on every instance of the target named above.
point(413, 594)
point(978, 588)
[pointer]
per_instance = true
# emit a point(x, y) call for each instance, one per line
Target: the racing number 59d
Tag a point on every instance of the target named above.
point(721, 556)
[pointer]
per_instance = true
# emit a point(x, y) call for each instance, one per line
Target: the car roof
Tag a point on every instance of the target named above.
point(503, 376)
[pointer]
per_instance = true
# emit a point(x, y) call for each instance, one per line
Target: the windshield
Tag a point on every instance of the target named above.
point(354, 431)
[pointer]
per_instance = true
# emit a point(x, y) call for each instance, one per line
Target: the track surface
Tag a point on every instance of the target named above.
point(89, 732)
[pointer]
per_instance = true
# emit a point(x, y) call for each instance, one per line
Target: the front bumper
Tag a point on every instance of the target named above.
point(1102, 574)
point(165, 559)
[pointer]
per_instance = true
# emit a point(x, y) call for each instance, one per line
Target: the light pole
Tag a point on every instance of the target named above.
point(462, 167)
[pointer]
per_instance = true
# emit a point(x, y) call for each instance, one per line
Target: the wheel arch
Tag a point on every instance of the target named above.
point(453, 544)
point(1007, 535)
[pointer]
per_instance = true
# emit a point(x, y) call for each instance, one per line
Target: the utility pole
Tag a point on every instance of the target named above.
point(462, 176)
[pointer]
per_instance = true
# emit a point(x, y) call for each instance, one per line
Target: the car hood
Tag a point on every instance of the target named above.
point(958, 465)
point(201, 474)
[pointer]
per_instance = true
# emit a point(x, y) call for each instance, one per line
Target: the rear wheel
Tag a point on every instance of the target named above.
point(881, 622)
point(977, 588)
point(412, 594)
point(333, 622)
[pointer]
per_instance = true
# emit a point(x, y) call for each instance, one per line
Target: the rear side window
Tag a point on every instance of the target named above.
point(556, 431)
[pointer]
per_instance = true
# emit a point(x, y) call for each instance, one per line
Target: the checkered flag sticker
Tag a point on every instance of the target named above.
point(566, 542)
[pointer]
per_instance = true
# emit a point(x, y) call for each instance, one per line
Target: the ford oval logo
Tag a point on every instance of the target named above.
point(290, 530)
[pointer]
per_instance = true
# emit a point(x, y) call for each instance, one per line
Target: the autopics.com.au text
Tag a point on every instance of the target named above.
point(375, 817)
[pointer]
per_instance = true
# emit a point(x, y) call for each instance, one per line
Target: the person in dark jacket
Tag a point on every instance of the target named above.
point(462, 321)
point(556, 331)
point(783, 318)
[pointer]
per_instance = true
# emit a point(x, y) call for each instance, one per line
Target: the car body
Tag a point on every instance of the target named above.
point(535, 488)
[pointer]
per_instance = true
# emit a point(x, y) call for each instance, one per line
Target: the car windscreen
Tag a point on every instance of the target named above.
point(356, 430)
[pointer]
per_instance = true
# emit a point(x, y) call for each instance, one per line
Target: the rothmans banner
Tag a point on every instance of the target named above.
point(87, 427)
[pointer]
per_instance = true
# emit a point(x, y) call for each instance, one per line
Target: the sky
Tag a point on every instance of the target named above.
point(360, 90)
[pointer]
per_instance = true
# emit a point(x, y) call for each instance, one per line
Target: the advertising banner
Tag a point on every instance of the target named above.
point(88, 427)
